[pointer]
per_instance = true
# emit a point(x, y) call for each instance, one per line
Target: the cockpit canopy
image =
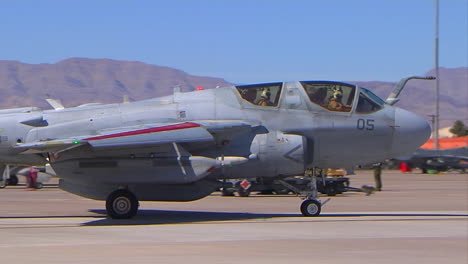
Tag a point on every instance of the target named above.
point(368, 102)
point(265, 94)
point(332, 96)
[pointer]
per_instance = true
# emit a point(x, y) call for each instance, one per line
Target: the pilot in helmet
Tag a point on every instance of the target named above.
point(265, 97)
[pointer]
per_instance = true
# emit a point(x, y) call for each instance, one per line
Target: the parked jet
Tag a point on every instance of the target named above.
point(10, 175)
point(438, 160)
point(178, 147)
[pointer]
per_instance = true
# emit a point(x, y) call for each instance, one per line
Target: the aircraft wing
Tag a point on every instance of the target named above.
point(154, 135)
point(148, 135)
point(47, 146)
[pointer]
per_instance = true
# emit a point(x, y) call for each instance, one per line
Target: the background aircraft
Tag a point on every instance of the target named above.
point(10, 175)
point(176, 148)
point(438, 160)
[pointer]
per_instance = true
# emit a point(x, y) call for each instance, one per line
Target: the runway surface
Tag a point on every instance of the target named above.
point(416, 219)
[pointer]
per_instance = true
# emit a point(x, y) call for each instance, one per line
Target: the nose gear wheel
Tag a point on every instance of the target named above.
point(311, 207)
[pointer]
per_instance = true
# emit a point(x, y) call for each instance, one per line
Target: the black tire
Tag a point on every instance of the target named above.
point(121, 204)
point(13, 180)
point(331, 190)
point(311, 207)
point(282, 191)
point(243, 193)
point(38, 185)
point(227, 193)
point(340, 188)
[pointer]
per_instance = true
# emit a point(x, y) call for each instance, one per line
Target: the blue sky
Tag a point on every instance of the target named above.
point(243, 41)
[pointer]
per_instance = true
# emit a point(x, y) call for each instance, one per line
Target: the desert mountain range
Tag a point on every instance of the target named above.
point(77, 81)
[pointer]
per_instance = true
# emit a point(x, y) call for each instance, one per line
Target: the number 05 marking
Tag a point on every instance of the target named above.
point(367, 124)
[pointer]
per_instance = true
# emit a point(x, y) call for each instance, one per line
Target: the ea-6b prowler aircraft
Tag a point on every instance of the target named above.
point(177, 148)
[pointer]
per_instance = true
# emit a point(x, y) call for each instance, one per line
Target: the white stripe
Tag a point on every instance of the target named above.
point(178, 158)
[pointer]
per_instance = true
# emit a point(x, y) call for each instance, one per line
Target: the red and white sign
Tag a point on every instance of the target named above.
point(245, 184)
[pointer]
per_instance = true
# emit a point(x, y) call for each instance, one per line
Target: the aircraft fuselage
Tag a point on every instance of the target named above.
point(265, 130)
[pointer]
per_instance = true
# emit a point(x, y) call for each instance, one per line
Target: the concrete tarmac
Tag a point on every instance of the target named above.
point(415, 219)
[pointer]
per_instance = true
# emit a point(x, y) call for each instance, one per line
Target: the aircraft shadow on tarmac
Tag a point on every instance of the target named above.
point(155, 217)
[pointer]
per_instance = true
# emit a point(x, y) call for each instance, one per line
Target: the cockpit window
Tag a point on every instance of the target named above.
point(266, 94)
point(331, 96)
point(372, 96)
point(366, 105)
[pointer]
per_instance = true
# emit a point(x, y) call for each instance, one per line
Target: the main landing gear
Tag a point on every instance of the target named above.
point(122, 204)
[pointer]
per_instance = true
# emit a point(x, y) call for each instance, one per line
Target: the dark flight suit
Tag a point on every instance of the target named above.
point(377, 176)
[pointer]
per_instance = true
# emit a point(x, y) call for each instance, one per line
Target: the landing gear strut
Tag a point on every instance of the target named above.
point(312, 206)
point(122, 204)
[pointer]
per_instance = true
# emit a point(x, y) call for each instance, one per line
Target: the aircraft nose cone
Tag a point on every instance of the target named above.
point(411, 131)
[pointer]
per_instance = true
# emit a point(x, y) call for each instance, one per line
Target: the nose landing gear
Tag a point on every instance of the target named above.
point(311, 205)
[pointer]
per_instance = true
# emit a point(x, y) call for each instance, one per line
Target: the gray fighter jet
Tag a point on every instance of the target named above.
point(180, 147)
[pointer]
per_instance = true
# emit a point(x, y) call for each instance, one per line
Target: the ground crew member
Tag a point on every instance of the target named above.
point(377, 176)
point(32, 178)
point(5, 176)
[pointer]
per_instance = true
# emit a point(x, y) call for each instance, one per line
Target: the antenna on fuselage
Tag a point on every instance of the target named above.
point(393, 96)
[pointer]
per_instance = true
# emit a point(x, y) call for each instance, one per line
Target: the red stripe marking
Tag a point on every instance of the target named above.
point(146, 131)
